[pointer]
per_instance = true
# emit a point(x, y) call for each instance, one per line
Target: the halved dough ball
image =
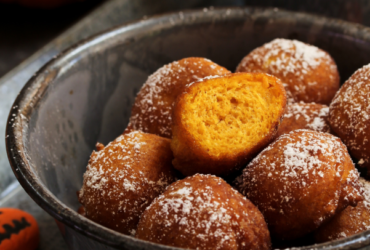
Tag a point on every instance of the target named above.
point(350, 221)
point(152, 109)
point(301, 181)
point(349, 115)
point(124, 177)
point(308, 73)
point(302, 115)
point(204, 212)
point(220, 123)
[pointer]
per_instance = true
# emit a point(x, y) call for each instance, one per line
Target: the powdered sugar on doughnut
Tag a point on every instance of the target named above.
point(201, 212)
point(294, 62)
point(302, 157)
point(290, 56)
point(350, 114)
point(297, 161)
point(153, 105)
point(315, 115)
point(300, 181)
point(366, 193)
point(118, 172)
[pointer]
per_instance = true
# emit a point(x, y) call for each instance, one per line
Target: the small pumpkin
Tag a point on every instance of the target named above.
point(18, 230)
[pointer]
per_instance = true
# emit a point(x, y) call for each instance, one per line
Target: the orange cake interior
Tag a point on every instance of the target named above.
point(229, 114)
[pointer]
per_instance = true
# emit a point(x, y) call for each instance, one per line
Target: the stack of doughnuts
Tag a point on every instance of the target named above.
point(249, 160)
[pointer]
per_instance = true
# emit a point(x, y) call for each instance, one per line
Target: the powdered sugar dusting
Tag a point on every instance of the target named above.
point(305, 116)
point(301, 157)
point(290, 60)
point(153, 105)
point(291, 56)
point(366, 194)
point(306, 156)
point(117, 179)
point(291, 171)
point(202, 213)
point(350, 114)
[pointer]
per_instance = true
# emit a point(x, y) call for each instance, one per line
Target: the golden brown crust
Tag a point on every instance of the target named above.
point(349, 115)
point(152, 110)
point(204, 212)
point(308, 73)
point(217, 129)
point(305, 116)
point(350, 221)
point(123, 178)
point(301, 181)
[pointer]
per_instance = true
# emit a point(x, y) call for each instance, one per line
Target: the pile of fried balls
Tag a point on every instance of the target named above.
point(257, 159)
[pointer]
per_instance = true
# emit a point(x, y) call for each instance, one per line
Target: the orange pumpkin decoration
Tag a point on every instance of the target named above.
point(18, 230)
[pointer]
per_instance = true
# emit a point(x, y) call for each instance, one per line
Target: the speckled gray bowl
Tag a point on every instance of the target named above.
point(85, 95)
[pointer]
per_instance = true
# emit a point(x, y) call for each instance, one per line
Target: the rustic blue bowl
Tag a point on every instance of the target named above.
point(85, 94)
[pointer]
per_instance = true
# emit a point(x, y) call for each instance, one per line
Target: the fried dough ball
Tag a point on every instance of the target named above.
point(302, 115)
point(349, 115)
point(152, 109)
point(124, 177)
point(350, 221)
point(308, 73)
point(204, 212)
point(220, 123)
point(301, 181)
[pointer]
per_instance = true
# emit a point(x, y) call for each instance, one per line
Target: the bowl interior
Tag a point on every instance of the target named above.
point(85, 95)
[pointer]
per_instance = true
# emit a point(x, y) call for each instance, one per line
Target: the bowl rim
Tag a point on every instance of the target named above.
point(32, 92)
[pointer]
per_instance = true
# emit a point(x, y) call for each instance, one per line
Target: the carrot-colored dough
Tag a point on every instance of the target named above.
point(220, 123)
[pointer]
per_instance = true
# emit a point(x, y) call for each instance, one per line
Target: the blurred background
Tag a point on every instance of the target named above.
point(27, 25)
